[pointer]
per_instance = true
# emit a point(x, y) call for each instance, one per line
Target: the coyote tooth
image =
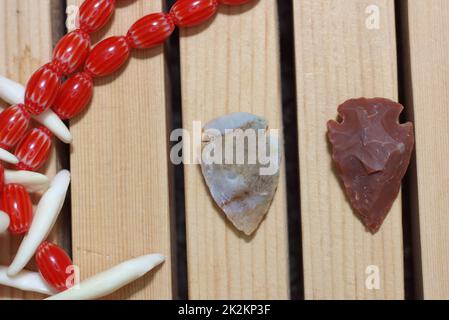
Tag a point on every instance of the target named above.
point(8, 157)
point(11, 91)
point(51, 120)
point(33, 181)
point(26, 281)
point(108, 281)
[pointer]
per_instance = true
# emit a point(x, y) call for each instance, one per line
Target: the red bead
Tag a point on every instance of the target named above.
point(42, 89)
point(34, 149)
point(16, 203)
point(233, 2)
point(55, 266)
point(74, 96)
point(94, 14)
point(188, 13)
point(14, 122)
point(150, 30)
point(107, 56)
point(72, 50)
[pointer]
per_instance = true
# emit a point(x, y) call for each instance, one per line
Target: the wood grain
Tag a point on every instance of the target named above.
point(228, 65)
point(119, 163)
point(428, 25)
point(26, 43)
point(337, 58)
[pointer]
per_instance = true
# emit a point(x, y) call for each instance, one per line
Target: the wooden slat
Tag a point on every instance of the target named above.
point(337, 58)
point(26, 38)
point(120, 187)
point(428, 24)
point(227, 65)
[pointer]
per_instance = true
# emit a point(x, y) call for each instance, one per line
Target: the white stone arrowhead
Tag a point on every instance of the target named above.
point(240, 188)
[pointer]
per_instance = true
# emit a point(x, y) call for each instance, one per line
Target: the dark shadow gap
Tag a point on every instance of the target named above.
point(64, 235)
point(289, 115)
point(179, 246)
point(412, 268)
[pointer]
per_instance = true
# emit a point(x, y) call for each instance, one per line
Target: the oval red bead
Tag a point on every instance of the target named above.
point(16, 203)
point(188, 13)
point(54, 265)
point(14, 122)
point(34, 149)
point(71, 51)
point(150, 30)
point(107, 56)
point(94, 14)
point(233, 2)
point(74, 96)
point(42, 89)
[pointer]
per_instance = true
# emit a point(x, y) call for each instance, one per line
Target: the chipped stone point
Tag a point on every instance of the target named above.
point(243, 190)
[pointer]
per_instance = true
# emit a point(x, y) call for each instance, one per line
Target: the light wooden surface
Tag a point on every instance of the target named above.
point(428, 23)
point(121, 170)
point(120, 187)
point(232, 64)
point(337, 58)
point(26, 38)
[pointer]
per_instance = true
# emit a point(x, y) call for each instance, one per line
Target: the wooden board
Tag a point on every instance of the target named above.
point(119, 163)
point(228, 65)
point(428, 24)
point(26, 41)
point(337, 58)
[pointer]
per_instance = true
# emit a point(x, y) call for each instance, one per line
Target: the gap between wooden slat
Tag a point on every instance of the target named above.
point(289, 111)
point(409, 190)
point(63, 229)
point(178, 225)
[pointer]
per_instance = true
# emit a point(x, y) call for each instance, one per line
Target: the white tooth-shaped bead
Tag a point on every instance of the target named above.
point(11, 91)
point(8, 157)
point(32, 181)
point(45, 217)
point(51, 121)
point(26, 281)
point(104, 283)
point(4, 222)
point(14, 93)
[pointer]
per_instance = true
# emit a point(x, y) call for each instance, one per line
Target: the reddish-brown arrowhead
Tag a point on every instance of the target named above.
point(372, 151)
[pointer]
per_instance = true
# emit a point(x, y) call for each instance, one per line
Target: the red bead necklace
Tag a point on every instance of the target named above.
point(45, 90)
